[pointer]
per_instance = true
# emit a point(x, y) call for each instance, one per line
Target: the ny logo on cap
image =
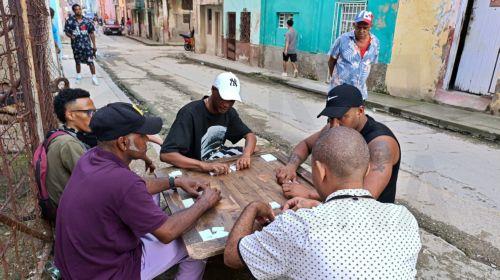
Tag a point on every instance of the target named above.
point(233, 82)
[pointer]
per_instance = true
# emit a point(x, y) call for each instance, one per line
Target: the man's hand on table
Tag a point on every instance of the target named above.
point(286, 174)
point(299, 203)
point(263, 212)
point(215, 167)
point(210, 197)
point(192, 186)
point(243, 162)
point(295, 189)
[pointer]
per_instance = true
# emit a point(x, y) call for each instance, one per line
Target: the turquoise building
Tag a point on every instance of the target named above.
point(320, 22)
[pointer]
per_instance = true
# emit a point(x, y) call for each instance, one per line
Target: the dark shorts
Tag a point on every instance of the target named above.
point(291, 56)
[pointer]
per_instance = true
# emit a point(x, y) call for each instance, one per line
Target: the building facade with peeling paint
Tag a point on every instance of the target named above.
point(208, 21)
point(447, 51)
point(319, 23)
point(241, 33)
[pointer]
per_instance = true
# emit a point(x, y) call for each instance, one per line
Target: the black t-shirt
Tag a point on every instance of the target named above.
point(196, 133)
point(370, 131)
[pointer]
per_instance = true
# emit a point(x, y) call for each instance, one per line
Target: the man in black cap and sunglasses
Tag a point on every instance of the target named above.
point(345, 107)
point(108, 226)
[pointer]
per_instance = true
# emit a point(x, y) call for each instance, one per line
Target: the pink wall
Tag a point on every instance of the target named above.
point(108, 10)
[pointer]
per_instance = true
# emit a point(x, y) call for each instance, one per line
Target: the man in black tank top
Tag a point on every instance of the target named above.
point(345, 107)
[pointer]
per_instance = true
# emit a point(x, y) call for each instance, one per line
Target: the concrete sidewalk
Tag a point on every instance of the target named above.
point(463, 121)
point(106, 92)
point(153, 43)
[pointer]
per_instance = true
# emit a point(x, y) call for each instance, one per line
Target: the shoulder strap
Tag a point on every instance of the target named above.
point(53, 136)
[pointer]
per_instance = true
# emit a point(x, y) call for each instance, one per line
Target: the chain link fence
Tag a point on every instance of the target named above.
point(29, 74)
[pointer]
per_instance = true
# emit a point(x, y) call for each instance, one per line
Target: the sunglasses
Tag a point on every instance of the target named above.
point(89, 112)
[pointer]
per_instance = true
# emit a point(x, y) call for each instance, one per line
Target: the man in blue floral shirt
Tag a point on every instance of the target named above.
point(353, 53)
point(81, 31)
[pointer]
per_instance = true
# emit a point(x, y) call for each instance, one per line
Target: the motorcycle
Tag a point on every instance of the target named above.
point(188, 41)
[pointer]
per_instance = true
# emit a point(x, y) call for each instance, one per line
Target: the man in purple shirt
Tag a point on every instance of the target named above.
point(108, 226)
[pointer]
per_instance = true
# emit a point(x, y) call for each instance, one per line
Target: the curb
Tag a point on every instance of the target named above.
point(153, 44)
point(401, 112)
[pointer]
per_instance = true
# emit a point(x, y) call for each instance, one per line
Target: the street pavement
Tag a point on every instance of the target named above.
point(447, 180)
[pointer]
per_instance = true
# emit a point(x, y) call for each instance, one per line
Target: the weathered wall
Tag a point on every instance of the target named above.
point(245, 52)
point(311, 65)
point(314, 24)
point(238, 6)
point(207, 43)
point(176, 25)
point(421, 47)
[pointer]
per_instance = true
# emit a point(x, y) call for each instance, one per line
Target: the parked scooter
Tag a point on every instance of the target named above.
point(188, 41)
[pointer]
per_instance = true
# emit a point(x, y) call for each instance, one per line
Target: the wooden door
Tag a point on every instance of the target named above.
point(231, 36)
point(217, 34)
point(478, 72)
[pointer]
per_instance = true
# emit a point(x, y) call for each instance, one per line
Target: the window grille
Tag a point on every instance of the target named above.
point(245, 27)
point(344, 14)
point(283, 18)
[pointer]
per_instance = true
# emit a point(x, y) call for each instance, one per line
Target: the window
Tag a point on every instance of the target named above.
point(187, 5)
point(283, 18)
point(186, 18)
point(344, 14)
point(245, 27)
point(209, 21)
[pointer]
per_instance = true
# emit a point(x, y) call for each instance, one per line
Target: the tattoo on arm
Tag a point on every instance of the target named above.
point(295, 159)
point(380, 154)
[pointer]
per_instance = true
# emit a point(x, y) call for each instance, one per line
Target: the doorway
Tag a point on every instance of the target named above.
point(217, 33)
point(477, 66)
point(231, 36)
point(150, 25)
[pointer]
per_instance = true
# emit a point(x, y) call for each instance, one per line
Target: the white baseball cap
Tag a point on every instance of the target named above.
point(228, 85)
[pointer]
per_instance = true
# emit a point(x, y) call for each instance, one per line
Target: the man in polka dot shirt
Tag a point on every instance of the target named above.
point(350, 235)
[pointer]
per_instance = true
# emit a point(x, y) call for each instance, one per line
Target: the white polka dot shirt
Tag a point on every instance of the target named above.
point(340, 239)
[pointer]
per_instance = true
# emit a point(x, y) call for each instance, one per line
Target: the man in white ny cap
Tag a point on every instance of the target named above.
point(353, 53)
point(202, 127)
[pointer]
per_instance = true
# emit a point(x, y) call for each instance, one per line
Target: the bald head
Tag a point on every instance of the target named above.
point(344, 153)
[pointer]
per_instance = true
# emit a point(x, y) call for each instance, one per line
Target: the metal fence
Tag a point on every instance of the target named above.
point(28, 69)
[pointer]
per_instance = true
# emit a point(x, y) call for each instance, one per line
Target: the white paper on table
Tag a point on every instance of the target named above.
point(216, 229)
point(188, 202)
point(268, 157)
point(232, 168)
point(206, 235)
point(220, 234)
point(175, 173)
point(274, 205)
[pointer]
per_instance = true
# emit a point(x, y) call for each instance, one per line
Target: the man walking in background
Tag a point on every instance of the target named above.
point(352, 55)
point(290, 51)
point(81, 31)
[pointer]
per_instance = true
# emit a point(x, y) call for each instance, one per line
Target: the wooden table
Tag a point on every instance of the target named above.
point(238, 189)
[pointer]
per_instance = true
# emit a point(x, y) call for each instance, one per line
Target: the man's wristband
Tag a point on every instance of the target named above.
point(171, 183)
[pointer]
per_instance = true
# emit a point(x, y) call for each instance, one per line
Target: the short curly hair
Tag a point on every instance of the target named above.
point(66, 96)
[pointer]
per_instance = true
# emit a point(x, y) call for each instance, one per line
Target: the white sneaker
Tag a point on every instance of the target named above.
point(295, 73)
point(284, 74)
point(78, 79)
point(95, 81)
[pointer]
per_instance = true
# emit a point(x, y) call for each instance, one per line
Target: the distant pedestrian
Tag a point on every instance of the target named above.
point(353, 53)
point(129, 26)
point(290, 51)
point(122, 22)
point(81, 31)
point(55, 34)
